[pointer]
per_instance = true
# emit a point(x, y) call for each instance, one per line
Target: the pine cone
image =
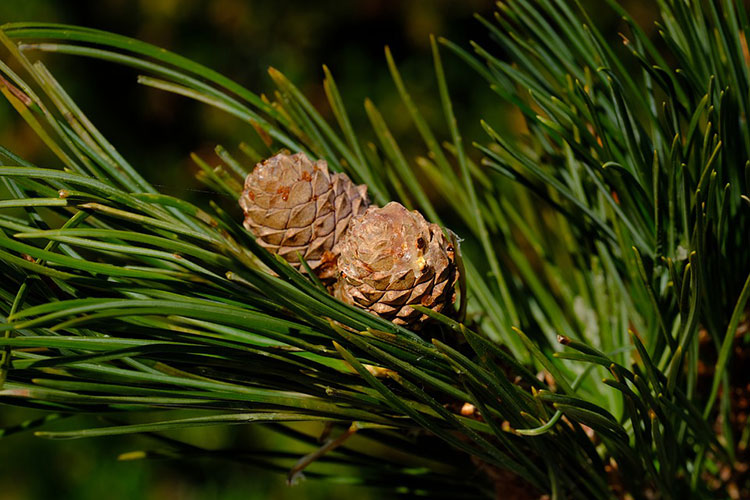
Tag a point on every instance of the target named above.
point(294, 205)
point(391, 258)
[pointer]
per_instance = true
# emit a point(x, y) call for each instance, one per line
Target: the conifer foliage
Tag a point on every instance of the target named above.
point(604, 270)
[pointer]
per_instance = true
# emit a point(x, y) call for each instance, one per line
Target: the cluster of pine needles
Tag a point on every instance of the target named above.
point(605, 268)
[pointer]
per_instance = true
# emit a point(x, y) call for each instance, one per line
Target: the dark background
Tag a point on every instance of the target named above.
point(156, 132)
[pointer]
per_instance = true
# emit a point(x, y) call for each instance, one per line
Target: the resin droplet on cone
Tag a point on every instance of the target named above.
point(391, 258)
point(294, 205)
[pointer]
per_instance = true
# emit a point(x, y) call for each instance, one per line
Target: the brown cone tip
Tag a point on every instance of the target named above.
point(392, 258)
point(292, 205)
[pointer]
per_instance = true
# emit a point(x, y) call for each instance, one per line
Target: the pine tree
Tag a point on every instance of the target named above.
point(596, 345)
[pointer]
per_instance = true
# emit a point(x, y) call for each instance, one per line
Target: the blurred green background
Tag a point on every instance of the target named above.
point(241, 38)
point(156, 132)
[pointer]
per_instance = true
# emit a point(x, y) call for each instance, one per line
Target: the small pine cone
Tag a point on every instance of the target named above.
point(294, 205)
point(391, 258)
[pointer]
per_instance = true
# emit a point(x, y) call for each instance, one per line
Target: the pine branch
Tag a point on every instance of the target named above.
point(603, 229)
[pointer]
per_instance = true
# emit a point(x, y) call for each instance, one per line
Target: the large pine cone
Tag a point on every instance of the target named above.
point(294, 205)
point(391, 258)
